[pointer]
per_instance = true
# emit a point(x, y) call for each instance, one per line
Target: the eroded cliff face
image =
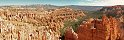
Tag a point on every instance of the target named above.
point(121, 19)
point(99, 29)
point(122, 34)
point(113, 10)
point(34, 24)
point(70, 34)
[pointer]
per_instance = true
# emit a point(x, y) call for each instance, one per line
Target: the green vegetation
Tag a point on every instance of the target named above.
point(93, 14)
point(71, 23)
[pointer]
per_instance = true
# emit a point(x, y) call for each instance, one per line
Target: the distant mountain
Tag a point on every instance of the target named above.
point(77, 7)
point(113, 10)
point(87, 8)
point(41, 6)
point(117, 7)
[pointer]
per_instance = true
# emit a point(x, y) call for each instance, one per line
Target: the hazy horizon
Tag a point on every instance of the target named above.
point(63, 2)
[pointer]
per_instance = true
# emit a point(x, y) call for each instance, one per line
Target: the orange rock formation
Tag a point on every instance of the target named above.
point(70, 34)
point(105, 29)
point(18, 23)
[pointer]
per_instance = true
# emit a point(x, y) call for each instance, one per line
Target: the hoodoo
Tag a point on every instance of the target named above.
point(97, 29)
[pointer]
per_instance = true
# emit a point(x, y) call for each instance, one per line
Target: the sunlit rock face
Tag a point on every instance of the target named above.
point(33, 24)
point(70, 34)
point(121, 19)
point(99, 29)
point(122, 35)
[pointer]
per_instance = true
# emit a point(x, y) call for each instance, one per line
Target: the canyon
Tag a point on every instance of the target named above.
point(42, 23)
point(34, 23)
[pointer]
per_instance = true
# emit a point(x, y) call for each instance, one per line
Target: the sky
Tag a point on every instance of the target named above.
point(63, 2)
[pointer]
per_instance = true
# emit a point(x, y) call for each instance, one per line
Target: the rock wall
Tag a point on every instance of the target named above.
point(99, 29)
point(70, 34)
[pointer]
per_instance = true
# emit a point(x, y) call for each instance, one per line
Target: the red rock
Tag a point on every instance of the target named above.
point(106, 29)
point(70, 34)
